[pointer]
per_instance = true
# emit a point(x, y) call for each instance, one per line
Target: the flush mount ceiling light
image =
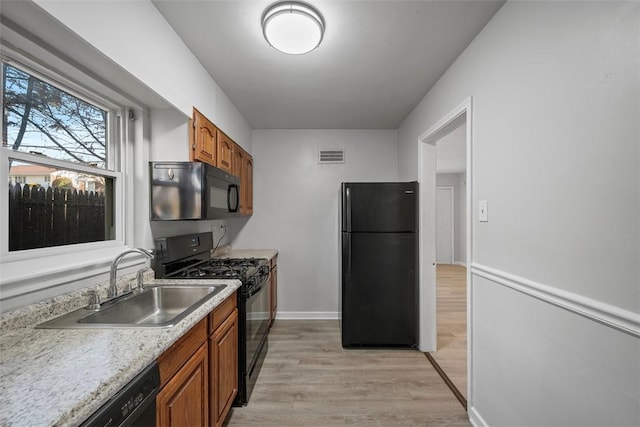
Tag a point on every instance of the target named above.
point(293, 27)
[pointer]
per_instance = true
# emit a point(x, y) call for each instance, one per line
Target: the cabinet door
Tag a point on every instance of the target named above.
point(223, 354)
point(238, 161)
point(183, 401)
point(247, 183)
point(204, 144)
point(225, 152)
point(238, 166)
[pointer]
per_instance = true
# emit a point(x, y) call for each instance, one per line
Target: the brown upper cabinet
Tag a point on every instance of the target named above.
point(204, 140)
point(238, 160)
point(247, 184)
point(238, 165)
point(225, 152)
point(210, 145)
point(243, 168)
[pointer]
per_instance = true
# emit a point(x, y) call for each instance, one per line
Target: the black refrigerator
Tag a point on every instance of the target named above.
point(379, 264)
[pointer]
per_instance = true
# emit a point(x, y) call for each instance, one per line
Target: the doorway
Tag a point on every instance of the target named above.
point(445, 163)
point(444, 224)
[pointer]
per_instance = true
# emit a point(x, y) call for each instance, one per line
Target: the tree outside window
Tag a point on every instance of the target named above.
point(43, 119)
point(61, 206)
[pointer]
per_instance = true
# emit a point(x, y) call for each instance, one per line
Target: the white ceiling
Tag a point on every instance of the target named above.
point(378, 59)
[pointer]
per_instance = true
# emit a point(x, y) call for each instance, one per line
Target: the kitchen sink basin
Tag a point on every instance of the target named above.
point(158, 306)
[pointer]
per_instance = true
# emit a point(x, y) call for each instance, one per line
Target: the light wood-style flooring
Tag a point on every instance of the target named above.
point(309, 380)
point(451, 295)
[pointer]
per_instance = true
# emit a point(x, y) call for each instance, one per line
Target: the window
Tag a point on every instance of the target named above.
point(40, 118)
point(56, 148)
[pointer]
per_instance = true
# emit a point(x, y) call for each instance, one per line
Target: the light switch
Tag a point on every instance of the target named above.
point(483, 212)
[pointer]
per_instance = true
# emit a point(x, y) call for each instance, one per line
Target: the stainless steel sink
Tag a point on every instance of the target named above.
point(159, 306)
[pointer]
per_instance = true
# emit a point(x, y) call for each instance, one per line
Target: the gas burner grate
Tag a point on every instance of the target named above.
point(224, 268)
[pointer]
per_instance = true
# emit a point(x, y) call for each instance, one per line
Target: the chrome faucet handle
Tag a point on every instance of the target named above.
point(129, 288)
point(94, 301)
point(140, 278)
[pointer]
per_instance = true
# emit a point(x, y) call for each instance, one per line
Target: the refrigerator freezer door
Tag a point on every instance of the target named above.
point(379, 289)
point(380, 207)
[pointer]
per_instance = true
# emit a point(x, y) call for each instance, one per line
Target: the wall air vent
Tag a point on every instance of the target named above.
point(330, 155)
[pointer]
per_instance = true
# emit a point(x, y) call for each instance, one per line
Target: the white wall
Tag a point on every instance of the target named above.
point(451, 151)
point(458, 182)
point(556, 152)
point(136, 36)
point(169, 135)
point(296, 208)
point(538, 365)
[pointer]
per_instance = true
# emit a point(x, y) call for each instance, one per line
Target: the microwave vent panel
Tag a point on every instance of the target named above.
point(331, 155)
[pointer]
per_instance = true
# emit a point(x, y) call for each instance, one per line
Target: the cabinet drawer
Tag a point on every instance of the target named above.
point(221, 312)
point(177, 355)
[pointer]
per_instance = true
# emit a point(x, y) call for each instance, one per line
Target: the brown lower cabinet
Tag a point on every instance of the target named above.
point(183, 400)
point(199, 373)
point(223, 360)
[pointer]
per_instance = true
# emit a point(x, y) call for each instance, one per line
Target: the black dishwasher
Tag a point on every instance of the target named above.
point(133, 405)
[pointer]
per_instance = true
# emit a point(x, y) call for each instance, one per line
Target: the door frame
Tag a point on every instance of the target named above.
point(452, 192)
point(426, 177)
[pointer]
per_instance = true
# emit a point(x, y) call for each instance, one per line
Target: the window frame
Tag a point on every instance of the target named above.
point(57, 265)
point(8, 256)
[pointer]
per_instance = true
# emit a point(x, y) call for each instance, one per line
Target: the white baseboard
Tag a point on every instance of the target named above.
point(615, 317)
point(475, 418)
point(307, 315)
point(461, 263)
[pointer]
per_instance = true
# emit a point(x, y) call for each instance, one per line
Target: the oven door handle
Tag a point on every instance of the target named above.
point(256, 288)
point(254, 291)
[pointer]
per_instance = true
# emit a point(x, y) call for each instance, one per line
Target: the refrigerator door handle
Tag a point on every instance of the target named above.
point(347, 249)
point(348, 209)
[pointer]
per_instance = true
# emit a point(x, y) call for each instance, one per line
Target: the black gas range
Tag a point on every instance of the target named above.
point(189, 257)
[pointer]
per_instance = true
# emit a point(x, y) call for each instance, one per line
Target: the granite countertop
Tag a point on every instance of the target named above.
point(61, 376)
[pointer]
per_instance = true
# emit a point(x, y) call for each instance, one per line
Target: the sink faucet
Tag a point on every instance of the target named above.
point(113, 290)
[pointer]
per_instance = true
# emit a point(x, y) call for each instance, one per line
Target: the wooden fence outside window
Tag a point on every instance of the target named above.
point(40, 218)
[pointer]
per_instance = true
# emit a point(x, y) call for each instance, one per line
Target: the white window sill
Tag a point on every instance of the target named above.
point(49, 275)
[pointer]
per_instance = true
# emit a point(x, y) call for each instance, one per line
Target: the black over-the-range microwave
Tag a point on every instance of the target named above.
point(192, 190)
